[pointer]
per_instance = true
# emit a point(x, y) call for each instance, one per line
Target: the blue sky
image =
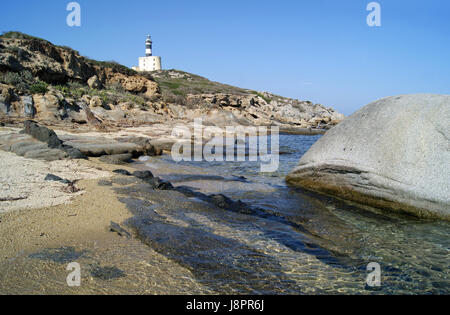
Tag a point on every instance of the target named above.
point(317, 50)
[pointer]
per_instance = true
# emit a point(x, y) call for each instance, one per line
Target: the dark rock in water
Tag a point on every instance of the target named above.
point(54, 178)
point(122, 172)
point(125, 180)
point(191, 193)
point(61, 255)
point(107, 273)
point(155, 182)
point(114, 227)
point(148, 148)
point(241, 179)
point(117, 159)
point(143, 174)
point(221, 201)
point(159, 184)
point(43, 134)
point(224, 202)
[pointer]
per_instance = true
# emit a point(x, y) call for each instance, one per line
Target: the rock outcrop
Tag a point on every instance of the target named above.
point(49, 137)
point(394, 153)
point(42, 143)
point(94, 83)
point(59, 65)
point(57, 86)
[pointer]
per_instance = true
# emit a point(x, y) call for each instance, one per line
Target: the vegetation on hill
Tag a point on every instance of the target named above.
point(30, 65)
point(175, 85)
point(116, 66)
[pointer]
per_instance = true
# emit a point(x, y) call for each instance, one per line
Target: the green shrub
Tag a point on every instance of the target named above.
point(137, 99)
point(74, 85)
point(13, 49)
point(176, 92)
point(70, 49)
point(63, 89)
point(113, 65)
point(27, 76)
point(117, 87)
point(19, 35)
point(39, 88)
point(171, 85)
point(76, 89)
point(12, 78)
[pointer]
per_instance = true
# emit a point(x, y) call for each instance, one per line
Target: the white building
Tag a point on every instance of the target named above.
point(149, 62)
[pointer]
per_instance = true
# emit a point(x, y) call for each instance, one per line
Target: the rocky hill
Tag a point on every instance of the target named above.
point(57, 86)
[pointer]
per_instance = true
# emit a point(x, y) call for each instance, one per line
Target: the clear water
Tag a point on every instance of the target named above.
point(317, 244)
point(298, 242)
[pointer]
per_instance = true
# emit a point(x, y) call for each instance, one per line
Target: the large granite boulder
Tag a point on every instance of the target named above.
point(394, 154)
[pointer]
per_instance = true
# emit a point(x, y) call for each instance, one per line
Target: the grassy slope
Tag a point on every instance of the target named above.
point(175, 85)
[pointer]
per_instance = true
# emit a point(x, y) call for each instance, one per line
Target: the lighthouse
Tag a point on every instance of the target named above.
point(148, 46)
point(149, 62)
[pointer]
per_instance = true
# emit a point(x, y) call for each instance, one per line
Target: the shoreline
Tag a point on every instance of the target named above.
point(133, 233)
point(84, 226)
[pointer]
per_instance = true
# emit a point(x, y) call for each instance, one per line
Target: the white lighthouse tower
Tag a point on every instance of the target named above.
point(148, 46)
point(149, 62)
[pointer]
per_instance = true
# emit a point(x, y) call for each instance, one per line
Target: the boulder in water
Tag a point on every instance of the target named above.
point(394, 153)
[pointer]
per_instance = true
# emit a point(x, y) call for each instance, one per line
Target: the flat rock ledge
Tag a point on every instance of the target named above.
point(393, 154)
point(41, 143)
point(28, 147)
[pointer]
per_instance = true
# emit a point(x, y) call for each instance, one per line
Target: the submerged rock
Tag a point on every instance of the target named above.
point(143, 174)
point(394, 153)
point(159, 184)
point(107, 273)
point(116, 228)
point(61, 255)
point(122, 172)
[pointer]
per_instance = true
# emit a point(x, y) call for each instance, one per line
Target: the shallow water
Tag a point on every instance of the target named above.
point(290, 241)
point(308, 244)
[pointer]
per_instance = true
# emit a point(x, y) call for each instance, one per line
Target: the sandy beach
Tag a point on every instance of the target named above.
point(51, 219)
